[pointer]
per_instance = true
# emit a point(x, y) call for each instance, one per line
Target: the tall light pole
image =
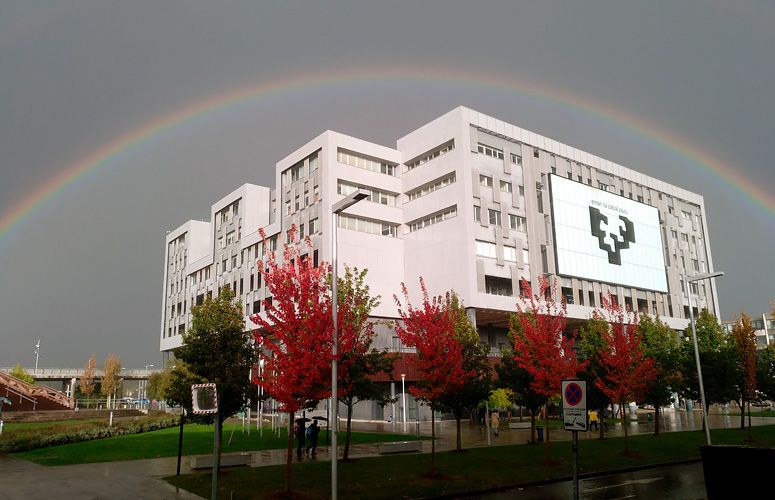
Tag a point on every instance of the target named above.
point(338, 207)
point(705, 408)
point(37, 355)
point(403, 396)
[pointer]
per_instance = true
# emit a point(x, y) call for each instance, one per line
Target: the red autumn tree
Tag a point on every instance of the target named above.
point(626, 370)
point(539, 345)
point(294, 334)
point(430, 329)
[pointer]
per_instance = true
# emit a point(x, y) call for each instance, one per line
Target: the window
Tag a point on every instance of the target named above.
point(223, 266)
point(477, 213)
point(368, 226)
point(525, 256)
point(313, 162)
point(498, 286)
point(230, 237)
point(220, 243)
point(535, 152)
point(297, 203)
point(495, 217)
point(376, 196)
point(686, 215)
point(297, 171)
point(696, 265)
point(433, 219)
point(485, 249)
point(235, 208)
point(301, 231)
point(505, 187)
point(490, 151)
point(685, 237)
point(234, 262)
point(224, 216)
point(306, 198)
point(510, 253)
point(517, 223)
point(674, 234)
point(433, 186)
point(603, 186)
point(485, 180)
point(516, 159)
point(522, 190)
point(428, 156)
point(317, 193)
point(355, 160)
point(314, 226)
point(288, 207)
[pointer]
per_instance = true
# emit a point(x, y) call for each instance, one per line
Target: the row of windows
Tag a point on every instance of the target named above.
point(368, 226)
point(289, 209)
point(433, 219)
point(229, 212)
point(489, 249)
point(497, 153)
point(426, 157)
point(490, 151)
point(297, 171)
point(444, 181)
point(355, 160)
point(516, 222)
point(376, 196)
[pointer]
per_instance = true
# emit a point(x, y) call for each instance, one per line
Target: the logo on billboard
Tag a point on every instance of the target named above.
point(611, 238)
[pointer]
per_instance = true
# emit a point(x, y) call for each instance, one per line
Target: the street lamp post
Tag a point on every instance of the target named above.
point(705, 408)
point(338, 207)
point(403, 396)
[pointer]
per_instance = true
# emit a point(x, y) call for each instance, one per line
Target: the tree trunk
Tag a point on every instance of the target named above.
point(349, 428)
point(601, 423)
point(742, 413)
point(433, 438)
point(459, 440)
point(656, 420)
point(750, 437)
point(624, 414)
point(546, 430)
point(532, 425)
point(290, 451)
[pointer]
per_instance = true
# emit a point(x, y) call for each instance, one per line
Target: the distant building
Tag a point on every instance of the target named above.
point(764, 326)
point(471, 204)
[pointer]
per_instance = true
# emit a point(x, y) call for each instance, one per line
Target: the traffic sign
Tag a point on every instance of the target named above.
point(574, 405)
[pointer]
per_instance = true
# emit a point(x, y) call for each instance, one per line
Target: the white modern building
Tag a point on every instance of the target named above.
point(470, 203)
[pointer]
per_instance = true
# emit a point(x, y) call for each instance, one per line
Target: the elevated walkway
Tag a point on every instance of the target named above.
point(62, 415)
point(28, 397)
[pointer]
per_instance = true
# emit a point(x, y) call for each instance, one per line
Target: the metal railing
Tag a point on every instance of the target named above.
point(20, 387)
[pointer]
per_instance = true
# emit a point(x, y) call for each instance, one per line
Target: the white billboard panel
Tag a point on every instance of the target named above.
point(604, 237)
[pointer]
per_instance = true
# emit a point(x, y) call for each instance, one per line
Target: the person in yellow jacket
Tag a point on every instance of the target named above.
point(592, 419)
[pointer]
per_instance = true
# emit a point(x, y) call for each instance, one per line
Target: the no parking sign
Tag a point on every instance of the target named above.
point(574, 405)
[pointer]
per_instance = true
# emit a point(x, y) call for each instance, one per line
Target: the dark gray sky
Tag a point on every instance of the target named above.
point(676, 90)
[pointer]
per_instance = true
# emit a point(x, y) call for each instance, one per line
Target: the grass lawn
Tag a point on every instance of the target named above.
point(478, 469)
point(197, 440)
point(755, 413)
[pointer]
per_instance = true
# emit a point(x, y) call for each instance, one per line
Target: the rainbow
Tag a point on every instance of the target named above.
point(709, 165)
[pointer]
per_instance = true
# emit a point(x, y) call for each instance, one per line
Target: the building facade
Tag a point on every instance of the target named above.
point(471, 204)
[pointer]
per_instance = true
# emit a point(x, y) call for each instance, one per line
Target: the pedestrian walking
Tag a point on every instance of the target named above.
point(495, 421)
point(300, 431)
point(593, 419)
point(312, 433)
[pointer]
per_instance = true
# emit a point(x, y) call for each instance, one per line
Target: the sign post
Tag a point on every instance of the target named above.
point(574, 418)
point(204, 399)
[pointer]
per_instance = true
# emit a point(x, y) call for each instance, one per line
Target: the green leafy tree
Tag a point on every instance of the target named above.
point(111, 377)
point(217, 350)
point(21, 374)
point(476, 364)
point(357, 382)
point(717, 360)
point(743, 338)
point(765, 372)
point(660, 344)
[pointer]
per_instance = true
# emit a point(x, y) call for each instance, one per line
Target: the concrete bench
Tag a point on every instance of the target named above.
point(519, 425)
point(400, 447)
point(228, 460)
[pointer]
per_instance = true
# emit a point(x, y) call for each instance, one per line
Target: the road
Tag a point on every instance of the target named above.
point(681, 482)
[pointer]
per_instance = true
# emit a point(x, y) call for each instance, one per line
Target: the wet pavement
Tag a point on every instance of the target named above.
point(142, 478)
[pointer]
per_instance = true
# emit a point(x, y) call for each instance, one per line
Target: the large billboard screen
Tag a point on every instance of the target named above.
point(604, 237)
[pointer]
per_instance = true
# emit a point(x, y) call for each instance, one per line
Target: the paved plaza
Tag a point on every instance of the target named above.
point(135, 479)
